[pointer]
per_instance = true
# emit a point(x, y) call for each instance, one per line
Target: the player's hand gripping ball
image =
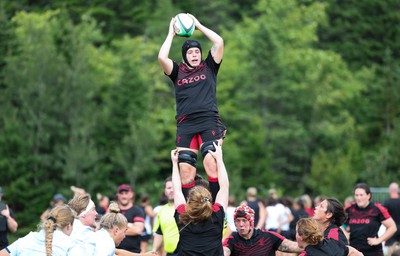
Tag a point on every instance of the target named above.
point(184, 25)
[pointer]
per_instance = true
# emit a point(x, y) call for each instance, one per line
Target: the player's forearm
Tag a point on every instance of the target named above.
point(211, 35)
point(12, 225)
point(157, 242)
point(135, 229)
point(165, 48)
point(388, 233)
point(354, 252)
point(176, 178)
point(227, 252)
point(223, 179)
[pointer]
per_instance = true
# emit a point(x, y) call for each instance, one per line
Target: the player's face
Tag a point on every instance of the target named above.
point(361, 197)
point(242, 226)
point(320, 211)
point(90, 217)
point(193, 55)
point(119, 235)
point(169, 190)
point(299, 240)
point(124, 197)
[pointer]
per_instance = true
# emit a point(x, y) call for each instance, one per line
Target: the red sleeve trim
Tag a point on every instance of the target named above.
point(138, 219)
point(181, 208)
point(383, 210)
point(212, 179)
point(334, 234)
point(189, 185)
point(216, 207)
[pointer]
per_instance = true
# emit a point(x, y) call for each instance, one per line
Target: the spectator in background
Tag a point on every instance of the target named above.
point(102, 207)
point(257, 205)
point(58, 199)
point(7, 221)
point(348, 201)
point(286, 217)
point(298, 212)
point(308, 204)
point(393, 207)
point(364, 220)
point(135, 216)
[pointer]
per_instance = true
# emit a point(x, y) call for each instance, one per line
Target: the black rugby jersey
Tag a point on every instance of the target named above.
point(335, 233)
point(327, 247)
point(195, 89)
point(364, 223)
point(261, 243)
point(202, 238)
point(132, 243)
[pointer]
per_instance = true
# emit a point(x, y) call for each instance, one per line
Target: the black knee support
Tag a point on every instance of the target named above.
point(187, 156)
point(208, 146)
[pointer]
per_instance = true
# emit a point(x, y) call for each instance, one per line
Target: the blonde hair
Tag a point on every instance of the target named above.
point(198, 207)
point(79, 202)
point(309, 230)
point(251, 191)
point(59, 217)
point(113, 218)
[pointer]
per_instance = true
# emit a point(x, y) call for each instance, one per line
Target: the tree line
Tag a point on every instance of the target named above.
point(309, 91)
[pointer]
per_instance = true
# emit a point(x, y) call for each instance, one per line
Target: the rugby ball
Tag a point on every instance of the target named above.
point(184, 25)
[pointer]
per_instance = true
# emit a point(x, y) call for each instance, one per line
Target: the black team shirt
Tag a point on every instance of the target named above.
point(327, 247)
point(335, 233)
point(364, 223)
point(132, 243)
point(195, 89)
point(261, 243)
point(202, 238)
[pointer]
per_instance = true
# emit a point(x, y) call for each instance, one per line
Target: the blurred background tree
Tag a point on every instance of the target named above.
point(309, 91)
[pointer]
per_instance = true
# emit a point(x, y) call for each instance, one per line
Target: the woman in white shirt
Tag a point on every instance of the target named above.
point(112, 228)
point(52, 240)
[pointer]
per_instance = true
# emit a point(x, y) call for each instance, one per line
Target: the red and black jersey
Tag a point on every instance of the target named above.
point(203, 238)
point(261, 243)
point(364, 223)
point(132, 243)
point(327, 247)
point(335, 233)
point(195, 89)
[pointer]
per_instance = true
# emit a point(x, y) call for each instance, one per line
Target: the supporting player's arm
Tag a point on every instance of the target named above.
point(176, 179)
point(227, 251)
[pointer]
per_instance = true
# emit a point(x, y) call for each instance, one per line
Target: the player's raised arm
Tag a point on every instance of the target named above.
point(176, 179)
point(217, 50)
point(163, 54)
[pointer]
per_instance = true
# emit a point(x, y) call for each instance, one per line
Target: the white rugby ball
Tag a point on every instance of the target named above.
point(184, 25)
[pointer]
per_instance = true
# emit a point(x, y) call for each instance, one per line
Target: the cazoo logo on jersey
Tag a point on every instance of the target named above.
point(192, 79)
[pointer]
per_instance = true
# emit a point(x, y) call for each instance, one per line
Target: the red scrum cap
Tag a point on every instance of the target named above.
point(244, 211)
